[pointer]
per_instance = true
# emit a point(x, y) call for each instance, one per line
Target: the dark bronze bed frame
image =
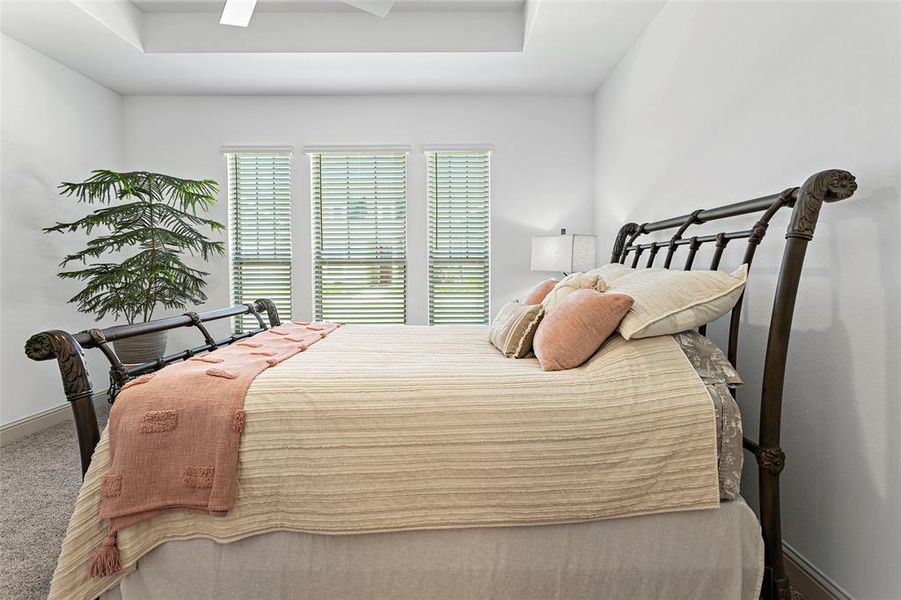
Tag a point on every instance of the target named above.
point(805, 203)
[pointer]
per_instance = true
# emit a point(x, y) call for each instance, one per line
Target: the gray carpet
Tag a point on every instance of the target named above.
point(39, 480)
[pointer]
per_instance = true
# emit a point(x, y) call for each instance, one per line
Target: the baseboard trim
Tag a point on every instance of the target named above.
point(16, 430)
point(809, 580)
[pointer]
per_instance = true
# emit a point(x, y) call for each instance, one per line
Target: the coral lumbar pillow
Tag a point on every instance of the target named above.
point(668, 302)
point(540, 291)
point(568, 285)
point(514, 327)
point(572, 332)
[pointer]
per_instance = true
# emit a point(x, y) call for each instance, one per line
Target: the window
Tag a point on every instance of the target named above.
point(458, 192)
point(359, 236)
point(259, 224)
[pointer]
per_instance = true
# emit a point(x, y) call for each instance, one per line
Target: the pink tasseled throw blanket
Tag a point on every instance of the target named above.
point(174, 434)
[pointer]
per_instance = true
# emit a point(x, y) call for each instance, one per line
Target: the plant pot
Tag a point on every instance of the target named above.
point(142, 348)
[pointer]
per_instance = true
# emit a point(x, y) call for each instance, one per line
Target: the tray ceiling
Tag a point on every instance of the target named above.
point(327, 47)
point(187, 6)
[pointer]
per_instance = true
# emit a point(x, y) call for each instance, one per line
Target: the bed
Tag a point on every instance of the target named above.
point(676, 541)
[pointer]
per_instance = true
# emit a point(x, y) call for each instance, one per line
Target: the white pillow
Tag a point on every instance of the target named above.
point(568, 285)
point(613, 271)
point(668, 302)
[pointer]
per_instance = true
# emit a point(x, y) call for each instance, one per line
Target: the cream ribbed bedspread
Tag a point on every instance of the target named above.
point(394, 428)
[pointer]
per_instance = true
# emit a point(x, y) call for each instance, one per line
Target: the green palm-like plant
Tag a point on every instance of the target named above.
point(154, 214)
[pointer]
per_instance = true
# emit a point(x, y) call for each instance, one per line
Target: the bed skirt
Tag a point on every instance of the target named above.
point(703, 555)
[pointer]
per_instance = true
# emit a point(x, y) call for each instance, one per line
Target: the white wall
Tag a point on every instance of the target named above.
point(720, 102)
point(57, 125)
point(540, 171)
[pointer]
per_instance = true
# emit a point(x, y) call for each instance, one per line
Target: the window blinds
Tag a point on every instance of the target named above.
point(359, 236)
point(259, 198)
point(458, 195)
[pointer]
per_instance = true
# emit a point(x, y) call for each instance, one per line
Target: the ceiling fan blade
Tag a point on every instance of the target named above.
point(237, 12)
point(379, 8)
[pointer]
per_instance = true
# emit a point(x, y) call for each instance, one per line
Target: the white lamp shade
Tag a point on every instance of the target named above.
point(568, 253)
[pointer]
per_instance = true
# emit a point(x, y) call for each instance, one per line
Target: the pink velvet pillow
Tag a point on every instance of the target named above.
point(572, 332)
point(536, 296)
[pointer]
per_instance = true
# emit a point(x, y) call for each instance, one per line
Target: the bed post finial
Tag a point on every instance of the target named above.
point(70, 357)
point(826, 186)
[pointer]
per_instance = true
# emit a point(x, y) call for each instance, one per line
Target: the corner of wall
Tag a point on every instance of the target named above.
point(57, 125)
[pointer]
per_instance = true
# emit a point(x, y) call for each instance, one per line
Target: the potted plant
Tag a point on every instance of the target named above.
point(151, 222)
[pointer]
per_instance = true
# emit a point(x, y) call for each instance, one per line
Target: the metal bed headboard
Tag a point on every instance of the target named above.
point(805, 203)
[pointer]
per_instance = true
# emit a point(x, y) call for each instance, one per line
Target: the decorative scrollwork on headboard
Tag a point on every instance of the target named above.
point(826, 186)
point(771, 460)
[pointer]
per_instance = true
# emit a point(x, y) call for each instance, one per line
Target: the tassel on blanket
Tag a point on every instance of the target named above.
point(106, 559)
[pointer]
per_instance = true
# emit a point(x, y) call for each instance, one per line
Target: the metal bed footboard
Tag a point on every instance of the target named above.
point(68, 350)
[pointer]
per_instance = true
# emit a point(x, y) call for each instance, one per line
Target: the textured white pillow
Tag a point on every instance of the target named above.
point(613, 271)
point(668, 302)
point(568, 285)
